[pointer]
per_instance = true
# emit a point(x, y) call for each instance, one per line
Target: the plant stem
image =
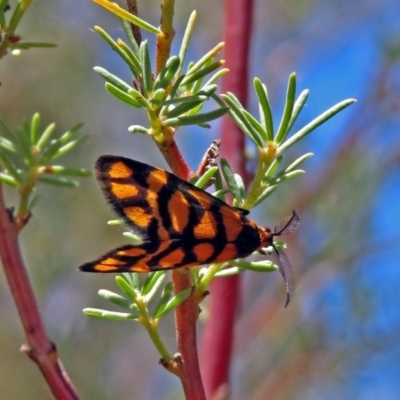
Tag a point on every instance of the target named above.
point(133, 9)
point(40, 348)
point(185, 326)
point(164, 40)
point(174, 158)
point(225, 292)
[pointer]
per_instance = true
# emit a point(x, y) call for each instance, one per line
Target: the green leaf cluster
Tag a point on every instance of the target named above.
point(175, 96)
point(136, 301)
point(139, 296)
point(26, 154)
point(172, 98)
point(8, 26)
point(270, 143)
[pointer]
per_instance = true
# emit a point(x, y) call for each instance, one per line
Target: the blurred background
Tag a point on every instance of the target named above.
point(339, 338)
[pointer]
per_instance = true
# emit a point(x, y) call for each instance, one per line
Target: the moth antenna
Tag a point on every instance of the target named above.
point(287, 225)
point(286, 270)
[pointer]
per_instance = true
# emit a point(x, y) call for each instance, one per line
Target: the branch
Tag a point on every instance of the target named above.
point(185, 326)
point(225, 292)
point(40, 348)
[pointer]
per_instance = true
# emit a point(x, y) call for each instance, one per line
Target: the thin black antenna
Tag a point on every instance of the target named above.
point(287, 225)
point(286, 270)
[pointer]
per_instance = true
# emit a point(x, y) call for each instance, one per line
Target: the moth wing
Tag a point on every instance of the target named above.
point(135, 192)
point(131, 258)
point(158, 205)
point(180, 224)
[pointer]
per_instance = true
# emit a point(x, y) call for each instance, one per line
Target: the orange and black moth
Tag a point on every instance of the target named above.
point(180, 225)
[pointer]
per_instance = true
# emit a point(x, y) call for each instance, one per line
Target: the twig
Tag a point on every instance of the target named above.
point(132, 8)
point(40, 349)
point(225, 292)
point(185, 326)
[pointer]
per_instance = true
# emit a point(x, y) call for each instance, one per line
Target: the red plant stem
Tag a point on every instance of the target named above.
point(174, 158)
point(185, 326)
point(40, 349)
point(225, 292)
point(187, 360)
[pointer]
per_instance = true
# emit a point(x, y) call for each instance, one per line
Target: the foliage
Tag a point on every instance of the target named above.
point(175, 98)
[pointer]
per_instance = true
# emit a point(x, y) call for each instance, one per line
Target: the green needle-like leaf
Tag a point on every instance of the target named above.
point(58, 181)
point(111, 315)
point(17, 15)
point(7, 179)
point(24, 145)
point(60, 170)
point(273, 167)
point(229, 177)
point(31, 45)
point(119, 83)
point(126, 287)
point(236, 112)
point(258, 266)
point(154, 288)
point(167, 74)
point(165, 296)
point(126, 15)
point(240, 186)
point(185, 99)
point(8, 145)
point(157, 99)
point(115, 298)
point(121, 50)
point(205, 178)
point(132, 279)
point(285, 176)
point(218, 75)
point(10, 167)
point(288, 109)
point(138, 129)
point(151, 280)
point(137, 96)
point(194, 67)
point(175, 88)
point(182, 108)
point(127, 27)
point(67, 136)
point(299, 161)
point(257, 128)
point(267, 192)
point(68, 147)
point(298, 106)
point(174, 302)
point(35, 123)
point(132, 60)
point(33, 202)
point(132, 237)
point(46, 135)
point(229, 272)
point(196, 119)
point(265, 109)
point(146, 67)
point(220, 194)
point(186, 40)
point(200, 74)
point(8, 132)
point(315, 123)
point(121, 95)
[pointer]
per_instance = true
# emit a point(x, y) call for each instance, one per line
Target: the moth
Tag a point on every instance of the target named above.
point(180, 224)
